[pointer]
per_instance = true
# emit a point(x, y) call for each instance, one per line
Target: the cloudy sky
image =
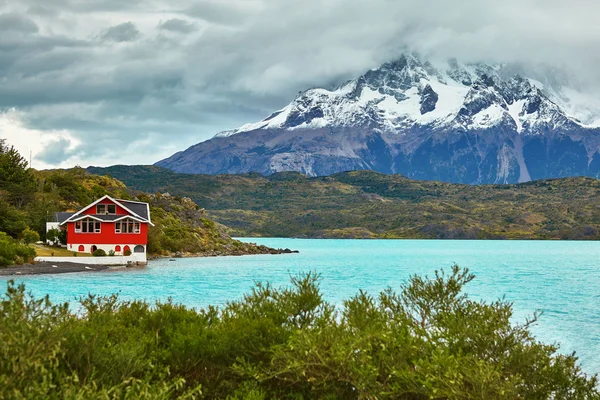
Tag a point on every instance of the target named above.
point(101, 82)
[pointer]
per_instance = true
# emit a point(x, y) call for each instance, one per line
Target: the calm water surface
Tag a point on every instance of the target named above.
point(562, 279)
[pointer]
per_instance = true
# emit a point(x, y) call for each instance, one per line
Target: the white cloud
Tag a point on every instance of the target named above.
point(30, 142)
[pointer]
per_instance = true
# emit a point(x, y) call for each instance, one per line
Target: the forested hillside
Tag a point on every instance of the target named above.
point(368, 204)
point(29, 198)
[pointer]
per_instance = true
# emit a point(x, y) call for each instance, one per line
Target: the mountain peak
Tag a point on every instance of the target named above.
point(473, 123)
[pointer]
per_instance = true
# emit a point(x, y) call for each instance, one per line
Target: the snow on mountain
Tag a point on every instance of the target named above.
point(472, 123)
point(394, 96)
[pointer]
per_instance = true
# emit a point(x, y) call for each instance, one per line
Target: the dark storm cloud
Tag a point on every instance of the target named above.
point(125, 32)
point(173, 73)
point(178, 25)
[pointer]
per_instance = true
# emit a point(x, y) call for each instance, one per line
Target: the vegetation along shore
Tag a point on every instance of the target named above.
point(426, 341)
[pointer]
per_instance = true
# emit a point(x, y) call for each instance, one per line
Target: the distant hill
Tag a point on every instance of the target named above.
point(369, 204)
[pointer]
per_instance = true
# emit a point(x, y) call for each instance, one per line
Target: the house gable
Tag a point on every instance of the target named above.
point(120, 210)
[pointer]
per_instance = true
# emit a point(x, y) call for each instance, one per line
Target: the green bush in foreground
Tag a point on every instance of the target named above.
point(428, 341)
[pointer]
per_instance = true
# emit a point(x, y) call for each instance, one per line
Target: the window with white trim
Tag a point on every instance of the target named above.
point(127, 226)
point(88, 225)
point(110, 209)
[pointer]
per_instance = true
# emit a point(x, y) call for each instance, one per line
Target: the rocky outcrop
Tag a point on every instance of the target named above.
point(429, 99)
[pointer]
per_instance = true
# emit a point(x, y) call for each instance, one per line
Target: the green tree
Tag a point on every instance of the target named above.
point(16, 180)
point(53, 235)
point(30, 236)
point(12, 221)
point(62, 236)
point(41, 210)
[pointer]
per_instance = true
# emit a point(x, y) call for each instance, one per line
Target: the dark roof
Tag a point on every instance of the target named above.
point(140, 209)
point(61, 217)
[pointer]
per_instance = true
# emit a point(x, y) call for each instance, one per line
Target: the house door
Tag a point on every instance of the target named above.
point(94, 248)
point(138, 249)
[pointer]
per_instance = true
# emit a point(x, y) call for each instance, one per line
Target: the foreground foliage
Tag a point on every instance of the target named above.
point(365, 204)
point(428, 341)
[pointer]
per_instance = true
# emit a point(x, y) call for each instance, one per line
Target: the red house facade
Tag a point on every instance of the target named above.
point(108, 224)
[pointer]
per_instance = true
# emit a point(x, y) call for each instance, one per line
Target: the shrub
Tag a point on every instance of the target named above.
point(99, 253)
point(30, 236)
point(62, 237)
point(53, 235)
point(111, 253)
point(127, 252)
point(429, 340)
point(12, 252)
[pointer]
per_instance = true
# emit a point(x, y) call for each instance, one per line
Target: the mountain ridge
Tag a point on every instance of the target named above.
point(460, 123)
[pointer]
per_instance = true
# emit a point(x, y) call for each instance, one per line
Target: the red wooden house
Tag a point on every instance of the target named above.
point(108, 224)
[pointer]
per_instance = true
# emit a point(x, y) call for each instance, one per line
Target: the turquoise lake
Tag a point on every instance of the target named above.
point(562, 279)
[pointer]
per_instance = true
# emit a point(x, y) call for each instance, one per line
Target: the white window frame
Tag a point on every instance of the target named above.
point(124, 226)
point(96, 226)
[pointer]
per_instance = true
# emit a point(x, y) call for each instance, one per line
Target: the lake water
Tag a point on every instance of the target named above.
point(562, 279)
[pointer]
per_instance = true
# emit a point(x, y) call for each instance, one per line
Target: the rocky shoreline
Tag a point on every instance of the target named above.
point(44, 268)
point(254, 250)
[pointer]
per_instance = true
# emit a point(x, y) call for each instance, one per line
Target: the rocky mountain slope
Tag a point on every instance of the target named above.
point(453, 122)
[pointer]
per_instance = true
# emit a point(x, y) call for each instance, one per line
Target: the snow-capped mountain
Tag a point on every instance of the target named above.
point(470, 123)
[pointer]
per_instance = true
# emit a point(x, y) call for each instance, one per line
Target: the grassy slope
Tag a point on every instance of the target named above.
point(368, 204)
point(180, 225)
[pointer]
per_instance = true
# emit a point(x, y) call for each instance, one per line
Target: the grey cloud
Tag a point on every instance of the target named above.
point(220, 12)
point(17, 23)
point(55, 152)
point(88, 6)
point(178, 25)
point(125, 32)
point(42, 11)
point(247, 58)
